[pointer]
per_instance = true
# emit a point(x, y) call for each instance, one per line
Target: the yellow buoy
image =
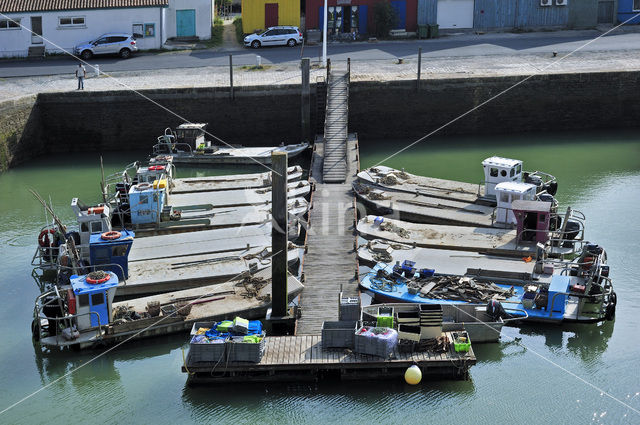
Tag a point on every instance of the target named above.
point(413, 375)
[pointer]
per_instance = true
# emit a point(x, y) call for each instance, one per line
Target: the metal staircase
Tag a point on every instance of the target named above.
point(335, 166)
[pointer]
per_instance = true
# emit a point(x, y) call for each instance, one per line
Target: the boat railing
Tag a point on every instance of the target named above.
point(513, 319)
point(169, 148)
point(608, 291)
point(546, 177)
point(39, 306)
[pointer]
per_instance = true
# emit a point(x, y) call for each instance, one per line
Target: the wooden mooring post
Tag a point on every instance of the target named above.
point(306, 100)
point(279, 237)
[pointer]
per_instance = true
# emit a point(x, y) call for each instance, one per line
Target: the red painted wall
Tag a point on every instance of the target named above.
point(313, 8)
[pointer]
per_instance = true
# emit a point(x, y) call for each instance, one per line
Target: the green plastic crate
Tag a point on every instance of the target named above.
point(384, 322)
point(461, 346)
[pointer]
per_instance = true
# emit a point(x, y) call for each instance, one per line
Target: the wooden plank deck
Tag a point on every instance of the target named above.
point(286, 356)
point(330, 261)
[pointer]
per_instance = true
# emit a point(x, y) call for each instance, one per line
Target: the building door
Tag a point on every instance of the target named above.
point(400, 7)
point(186, 23)
point(36, 28)
point(362, 17)
point(455, 13)
point(605, 12)
point(270, 15)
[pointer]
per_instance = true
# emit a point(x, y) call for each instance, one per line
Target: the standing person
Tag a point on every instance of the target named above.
point(81, 73)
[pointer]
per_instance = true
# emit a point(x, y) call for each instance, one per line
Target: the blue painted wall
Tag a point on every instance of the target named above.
point(427, 12)
point(518, 14)
point(625, 11)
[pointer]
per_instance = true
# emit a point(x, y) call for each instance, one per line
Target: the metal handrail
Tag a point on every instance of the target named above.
point(570, 294)
point(526, 315)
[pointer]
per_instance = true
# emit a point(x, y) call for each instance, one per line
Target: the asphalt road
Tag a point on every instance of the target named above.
point(448, 46)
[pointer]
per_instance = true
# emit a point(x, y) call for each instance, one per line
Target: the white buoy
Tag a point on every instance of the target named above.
point(413, 375)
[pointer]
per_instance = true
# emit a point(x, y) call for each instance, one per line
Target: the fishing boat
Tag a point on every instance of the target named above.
point(496, 170)
point(527, 239)
point(475, 319)
point(83, 313)
point(187, 145)
point(554, 292)
point(163, 263)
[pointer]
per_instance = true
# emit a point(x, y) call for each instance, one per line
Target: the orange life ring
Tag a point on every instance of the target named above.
point(112, 235)
point(143, 186)
point(43, 237)
point(98, 281)
point(95, 210)
point(156, 168)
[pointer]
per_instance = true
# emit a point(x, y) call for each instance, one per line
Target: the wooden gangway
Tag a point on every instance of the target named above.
point(302, 358)
point(335, 161)
point(330, 261)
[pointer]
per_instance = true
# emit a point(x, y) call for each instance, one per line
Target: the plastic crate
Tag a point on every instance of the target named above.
point(408, 332)
point(461, 342)
point(198, 325)
point(349, 308)
point(245, 351)
point(213, 352)
point(375, 346)
point(339, 334)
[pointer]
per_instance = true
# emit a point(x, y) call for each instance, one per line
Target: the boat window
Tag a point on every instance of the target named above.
point(512, 172)
point(83, 300)
point(97, 299)
point(144, 199)
point(493, 172)
point(96, 227)
point(518, 169)
point(119, 250)
point(503, 173)
point(101, 255)
point(504, 197)
point(155, 197)
point(84, 227)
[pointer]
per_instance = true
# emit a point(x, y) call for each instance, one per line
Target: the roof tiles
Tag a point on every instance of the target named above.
point(47, 5)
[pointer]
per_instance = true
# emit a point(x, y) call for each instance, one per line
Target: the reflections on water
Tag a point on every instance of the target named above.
point(141, 381)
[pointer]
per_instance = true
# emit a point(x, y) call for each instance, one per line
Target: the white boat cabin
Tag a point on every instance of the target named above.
point(90, 220)
point(193, 135)
point(498, 170)
point(506, 193)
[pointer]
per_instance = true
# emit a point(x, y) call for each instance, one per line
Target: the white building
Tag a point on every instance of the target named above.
point(59, 25)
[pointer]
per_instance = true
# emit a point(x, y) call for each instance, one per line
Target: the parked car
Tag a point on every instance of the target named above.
point(117, 43)
point(275, 36)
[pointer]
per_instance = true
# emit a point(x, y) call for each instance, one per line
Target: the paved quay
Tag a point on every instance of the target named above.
point(361, 70)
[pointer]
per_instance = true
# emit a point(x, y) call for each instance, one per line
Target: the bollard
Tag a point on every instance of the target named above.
point(96, 68)
point(258, 61)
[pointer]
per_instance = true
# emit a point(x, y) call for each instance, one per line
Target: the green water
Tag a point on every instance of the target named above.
point(555, 375)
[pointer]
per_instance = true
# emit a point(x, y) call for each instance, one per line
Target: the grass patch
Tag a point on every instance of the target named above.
point(239, 34)
point(216, 34)
point(256, 67)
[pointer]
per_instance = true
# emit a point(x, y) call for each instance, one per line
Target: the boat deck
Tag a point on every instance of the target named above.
point(460, 238)
point(303, 358)
point(235, 198)
point(330, 261)
point(230, 182)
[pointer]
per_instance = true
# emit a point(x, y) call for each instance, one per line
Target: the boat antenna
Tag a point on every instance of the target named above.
point(102, 182)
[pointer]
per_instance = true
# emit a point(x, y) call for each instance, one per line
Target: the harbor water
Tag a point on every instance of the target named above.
point(536, 374)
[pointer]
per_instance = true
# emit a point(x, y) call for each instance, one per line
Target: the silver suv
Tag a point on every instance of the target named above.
point(118, 43)
point(275, 36)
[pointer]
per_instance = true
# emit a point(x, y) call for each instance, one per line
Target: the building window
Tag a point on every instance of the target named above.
point(149, 30)
point(71, 22)
point(137, 30)
point(10, 24)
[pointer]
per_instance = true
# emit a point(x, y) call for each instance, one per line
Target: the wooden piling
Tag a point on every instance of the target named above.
point(306, 100)
point(279, 237)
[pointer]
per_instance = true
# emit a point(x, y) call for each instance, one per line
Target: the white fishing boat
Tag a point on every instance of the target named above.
point(187, 145)
point(83, 313)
